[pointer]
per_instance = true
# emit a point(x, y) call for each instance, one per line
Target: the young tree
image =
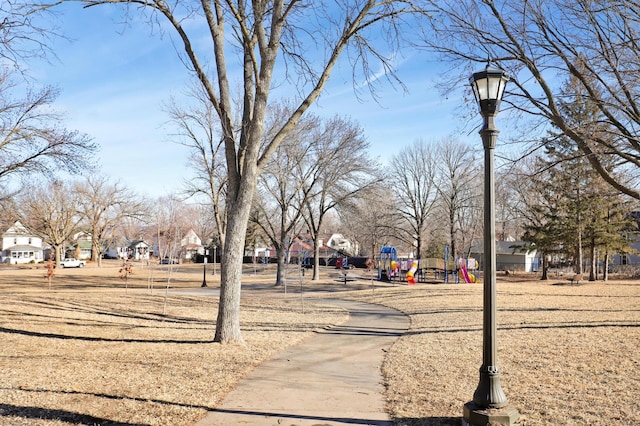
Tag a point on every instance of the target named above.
point(303, 39)
point(168, 220)
point(542, 43)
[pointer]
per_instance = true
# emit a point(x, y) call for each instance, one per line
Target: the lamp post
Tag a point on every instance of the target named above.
point(214, 260)
point(489, 404)
point(204, 271)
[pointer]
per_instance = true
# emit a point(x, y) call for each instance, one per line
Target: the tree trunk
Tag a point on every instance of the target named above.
point(280, 256)
point(593, 264)
point(545, 268)
point(95, 255)
point(316, 260)
point(605, 272)
point(57, 249)
point(578, 265)
point(228, 320)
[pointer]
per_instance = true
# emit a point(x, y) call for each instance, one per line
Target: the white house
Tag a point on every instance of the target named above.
point(191, 244)
point(138, 250)
point(21, 246)
point(123, 248)
point(340, 243)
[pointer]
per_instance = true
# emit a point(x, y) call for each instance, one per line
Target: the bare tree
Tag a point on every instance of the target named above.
point(542, 44)
point(50, 212)
point(306, 40)
point(21, 36)
point(31, 140)
point(413, 172)
point(198, 128)
point(371, 218)
point(103, 206)
point(168, 222)
point(339, 169)
point(282, 187)
point(458, 183)
point(509, 221)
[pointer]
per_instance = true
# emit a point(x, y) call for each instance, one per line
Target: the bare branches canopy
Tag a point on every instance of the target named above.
point(544, 44)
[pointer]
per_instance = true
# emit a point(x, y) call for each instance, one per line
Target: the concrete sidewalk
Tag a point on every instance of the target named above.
point(331, 378)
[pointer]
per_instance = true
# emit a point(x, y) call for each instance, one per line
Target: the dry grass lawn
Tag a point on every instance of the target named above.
point(94, 350)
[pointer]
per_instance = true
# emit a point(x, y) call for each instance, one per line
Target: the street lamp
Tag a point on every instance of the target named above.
point(204, 271)
point(489, 404)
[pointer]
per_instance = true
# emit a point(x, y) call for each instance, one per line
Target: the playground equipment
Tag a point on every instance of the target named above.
point(391, 267)
point(411, 272)
point(388, 263)
point(463, 267)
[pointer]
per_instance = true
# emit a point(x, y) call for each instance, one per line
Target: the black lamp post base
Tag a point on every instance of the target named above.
point(472, 415)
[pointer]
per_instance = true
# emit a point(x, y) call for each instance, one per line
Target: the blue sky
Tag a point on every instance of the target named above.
point(115, 79)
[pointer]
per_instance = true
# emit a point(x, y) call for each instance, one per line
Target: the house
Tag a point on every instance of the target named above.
point(632, 235)
point(339, 243)
point(165, 245)
point(21, 246)
point(81, 249)
point(190, 245)
point(123, 248)
point(138, 250)
point(116, 248)
point(510, 256)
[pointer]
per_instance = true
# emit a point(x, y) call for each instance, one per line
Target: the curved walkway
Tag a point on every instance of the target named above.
point(331, 378)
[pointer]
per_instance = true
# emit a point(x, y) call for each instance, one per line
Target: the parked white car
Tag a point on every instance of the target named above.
point(71, 262)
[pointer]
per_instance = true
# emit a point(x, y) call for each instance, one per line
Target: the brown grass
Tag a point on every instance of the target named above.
point(90, 351)
point(568, 354)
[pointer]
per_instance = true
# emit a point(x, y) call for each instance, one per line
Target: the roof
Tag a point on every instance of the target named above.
point(138, 243)
point(18, 229)
point(515, 248)
point(23, 248)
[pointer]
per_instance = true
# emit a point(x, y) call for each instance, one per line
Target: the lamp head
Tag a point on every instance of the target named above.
point(488, 87)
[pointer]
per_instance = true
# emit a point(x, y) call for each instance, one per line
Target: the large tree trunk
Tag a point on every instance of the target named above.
point(95, 254)
point(228, 321)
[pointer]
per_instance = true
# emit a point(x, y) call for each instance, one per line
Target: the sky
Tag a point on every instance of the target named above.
point(114, 81)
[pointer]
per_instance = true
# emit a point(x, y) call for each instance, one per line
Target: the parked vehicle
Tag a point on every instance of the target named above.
point(71, 262)
point(167, 261)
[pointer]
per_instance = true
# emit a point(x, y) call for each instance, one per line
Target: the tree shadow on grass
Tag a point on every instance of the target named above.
point(101, 339)
point(40, 413)
point(428, 421)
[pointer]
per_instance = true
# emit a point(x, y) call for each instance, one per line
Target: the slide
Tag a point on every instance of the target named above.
point(411, 279)
point(464, 273)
